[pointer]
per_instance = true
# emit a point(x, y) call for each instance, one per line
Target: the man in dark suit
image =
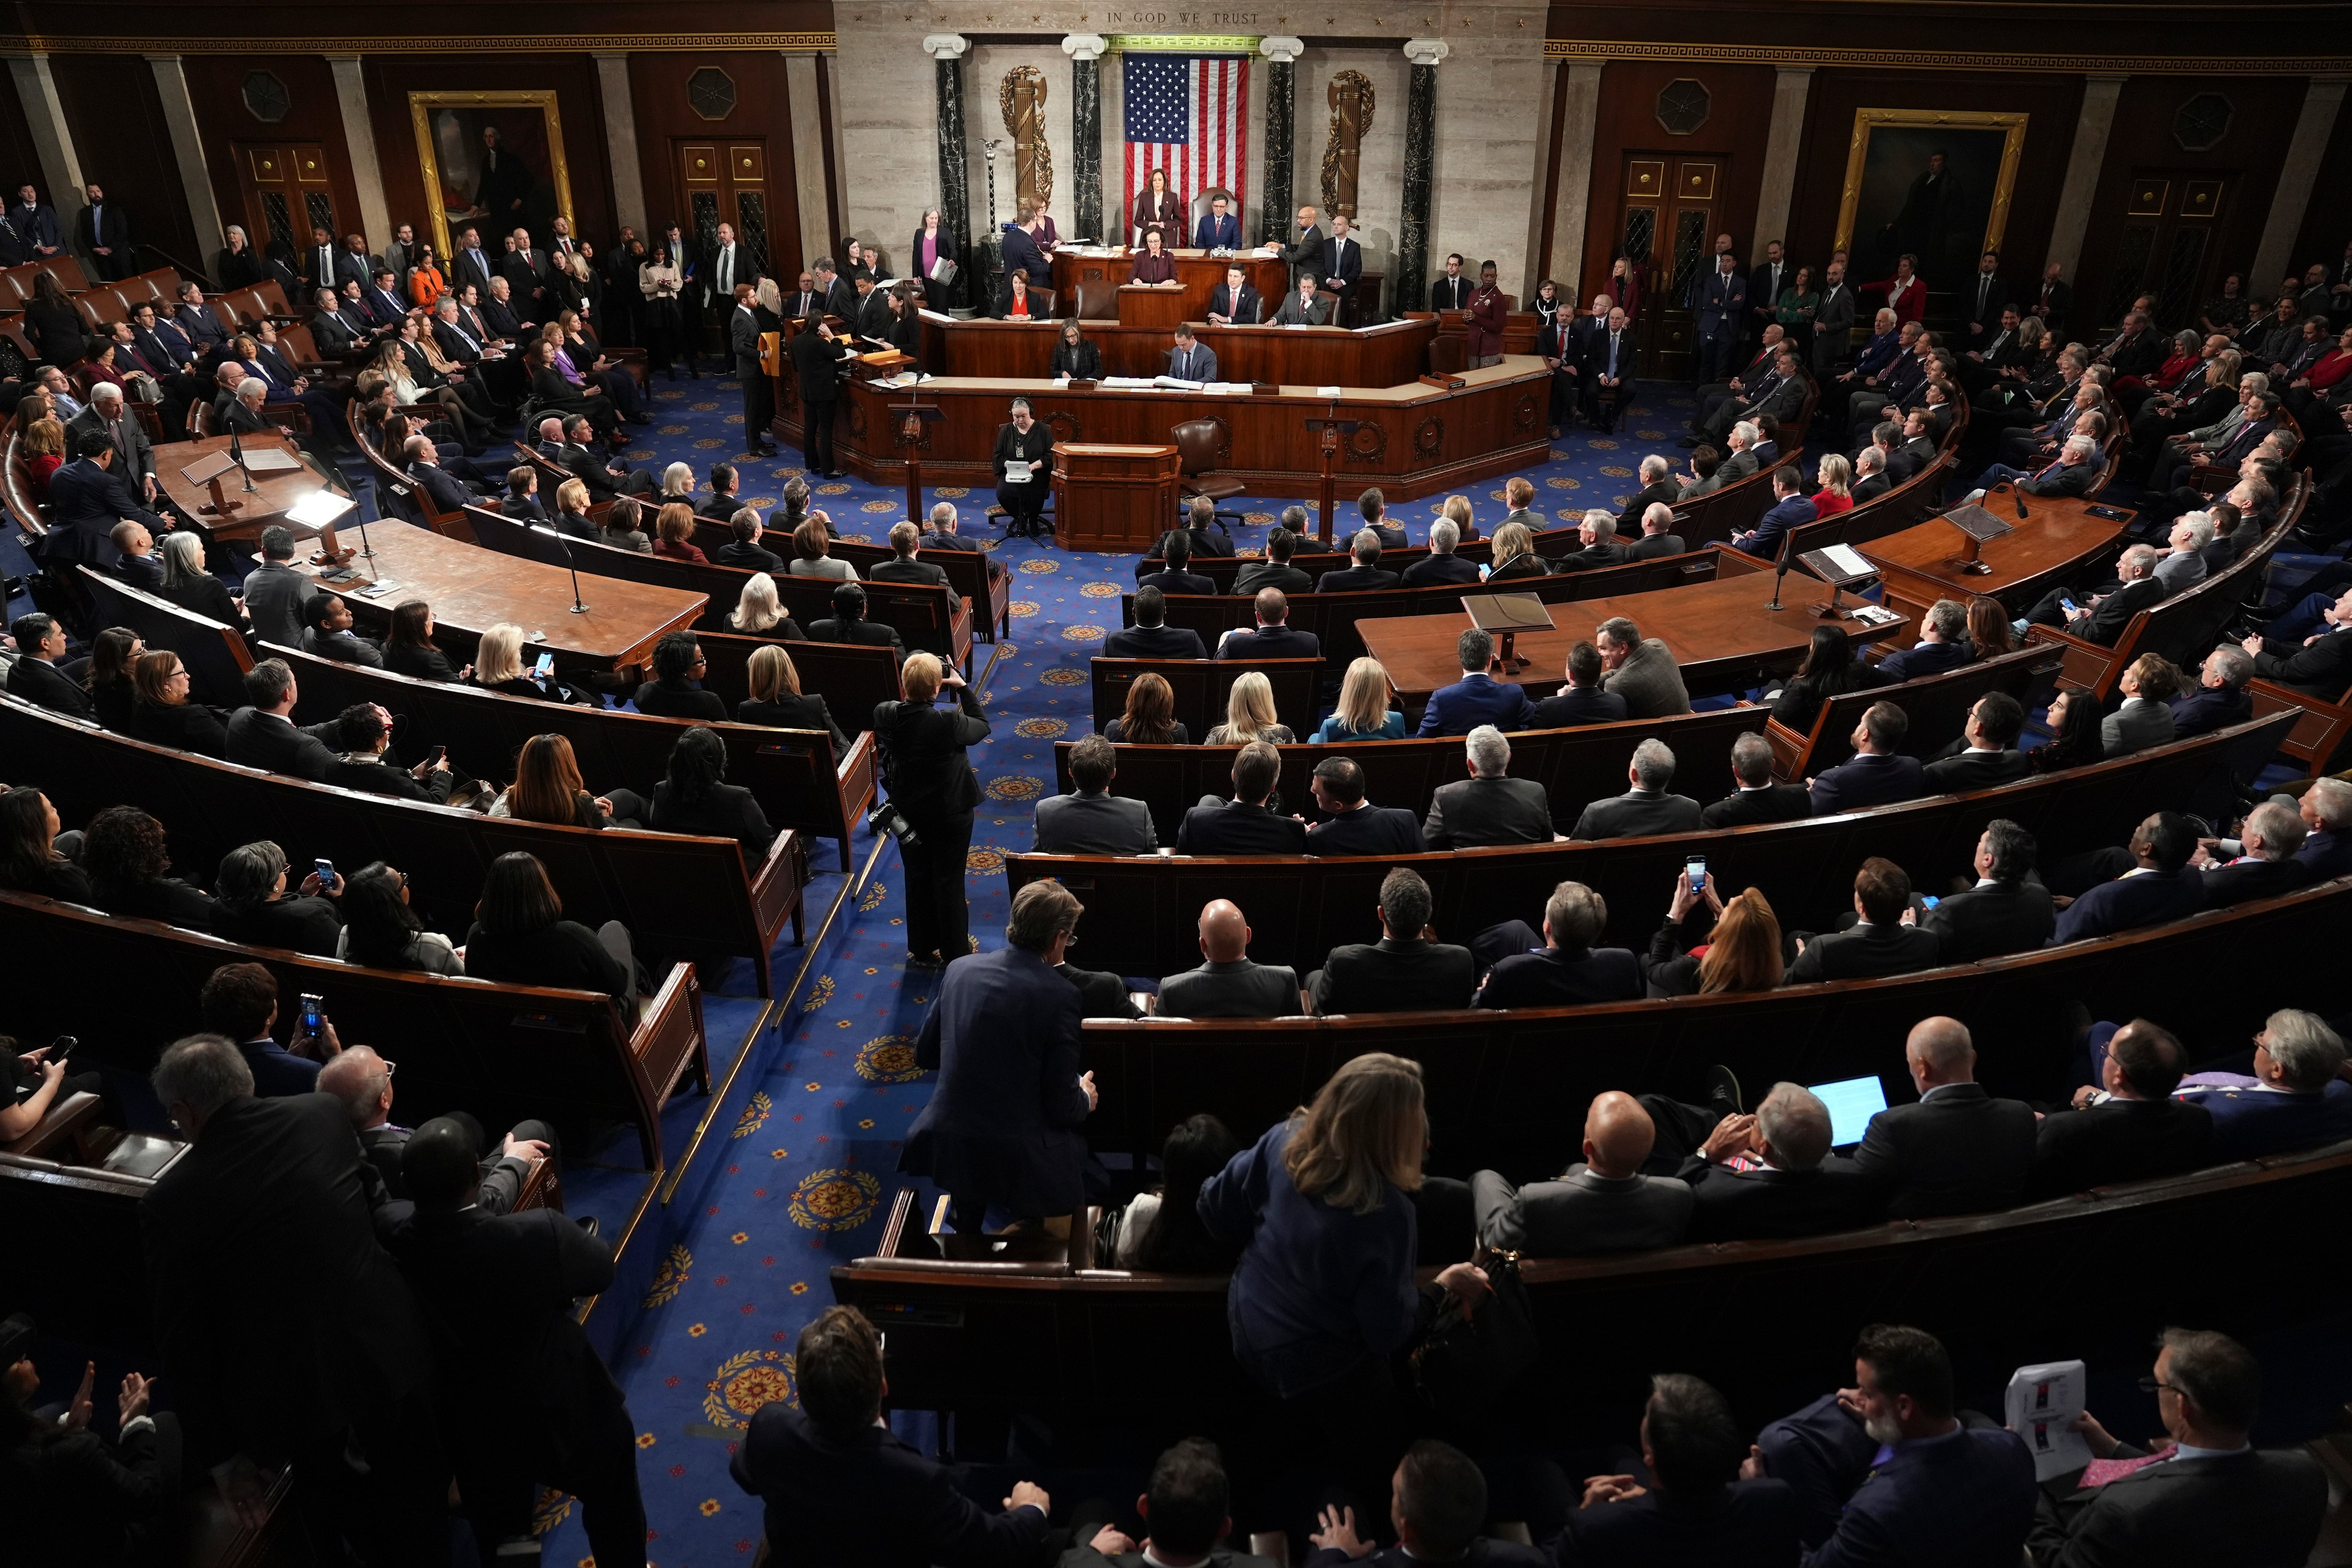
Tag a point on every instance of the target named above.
point(102, 232)
point(817, 356)
point(1271, 638)
point(1343, 272)
point(2212, 1497)
point(1876, 775)
point(285, 1329)
point(2320, 665)
point(1870, 479)
point(2004, 913)
point(1022, 255)
point(108, 416)
point(2127, 1127)
point(1601, 1204)
point(746, 550)
point(1879, 941)
point(2052, 301)
point(1791, 507)
point(1150, 637)
point(1189, 361)
point(1365, 548)
point(1990, 757)
point(2162, 885)
point(1090, 820)
point(1202, 538)
point(1755, 797)
point(525, 268)
point(1274, 570)
point(1984, 298)
point(2104, 618)
point(842, 1488)
point(1176, 554)
point(1765, 281)
point(524, 1398)
point(1452, 290)
point(1658, 537)
point(500, 316)
point(1243, 825)
point(2296, 1098)
point(2220, 699)
point(1607, 374)
point(446, 490)
point(1227, 984)
point(1218, 229)
point(1958, 1150)
point(1305, 254)
point(1582, 700)
point(1489, 806)
point(35, 678)
point(1373, 506)
point(2266, 865)
point(1943, 644)
point(1563, 968)
point(848, 624)
point(263, 735)
point(1694, 1508)
point(1440, 1500)
point(1477, 698)
point(1770, 1175)
point(86, 498)
point(327, 633)
point(1947, 1494)
point(1234, 302)
point(1353, 826)
point(604, 479)
point(1187, 1508)
point(1440, 565)
point(1645, 808)
point(1720, 299)
point(1004, 1127)
point(1597, 545)
point(1405, 971)
point(1658, 484)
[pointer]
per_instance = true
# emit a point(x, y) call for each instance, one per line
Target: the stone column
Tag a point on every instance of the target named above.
point(808, 162)
point(1578, 121)
point(1420, 165)
point(2081, 186)
point(53, 144)
point(1276, 204)
point(188, 151)
point(621, 138)
point(359, 145)
point(2293, 198)
point(955, 186)
point(1788, 94)
point(1085, 52)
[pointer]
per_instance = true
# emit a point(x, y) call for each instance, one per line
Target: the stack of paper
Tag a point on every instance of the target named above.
point(2040, 1406)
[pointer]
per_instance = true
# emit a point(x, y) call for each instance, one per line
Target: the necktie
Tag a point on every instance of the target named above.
point(2050, 470)
point(726, 270)
point(1613, 355)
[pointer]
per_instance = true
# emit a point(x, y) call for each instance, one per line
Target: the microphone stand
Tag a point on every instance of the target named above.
point(577, 607)
point(1786, 539)
point(237, 456)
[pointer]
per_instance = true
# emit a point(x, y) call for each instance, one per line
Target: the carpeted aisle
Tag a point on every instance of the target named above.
point(809, 1170)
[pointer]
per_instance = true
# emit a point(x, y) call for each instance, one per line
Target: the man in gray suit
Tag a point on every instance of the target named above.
point(1090, 820)
point(1646, 808)
point(1742, 461)
point(274, 591)
point(108, 416)
point(1304, 308)
point(1640, 670)
point(1488, 807)
point(1229, 986)
point(1603, 1203)
point(1658, 535)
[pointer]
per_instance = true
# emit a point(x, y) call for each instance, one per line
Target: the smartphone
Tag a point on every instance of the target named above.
point(2069, 604)
point(1930, 900)
point(326, 873)
point(313, 1011)
point(546, 665)
point(433, 760)
point(1696, 867)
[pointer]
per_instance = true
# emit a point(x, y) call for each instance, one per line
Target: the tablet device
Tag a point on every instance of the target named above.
point(1852, 1101)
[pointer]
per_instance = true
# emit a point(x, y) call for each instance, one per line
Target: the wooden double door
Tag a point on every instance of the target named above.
point(2166, 244)
point(1669, 210)
point(287, 191)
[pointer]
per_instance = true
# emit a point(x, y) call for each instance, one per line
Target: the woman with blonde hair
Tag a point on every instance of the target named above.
point(1151, 716)
point(777, 700)
point(1322, 1207)
point(1250, 716)
point(498, 665)
point(571, 511)
point(1456, 510)
point(758, 610)
point(812, 551)
point(677, 484)
point(673, 533)
point(1836, 494)
point(1363, 713)
point(547, 788)
point(1742, 955)
point(1515, 555)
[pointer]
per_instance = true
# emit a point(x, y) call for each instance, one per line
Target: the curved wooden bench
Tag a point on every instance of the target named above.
point(1938, 707)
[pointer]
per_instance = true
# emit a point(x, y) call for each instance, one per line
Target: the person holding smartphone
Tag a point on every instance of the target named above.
point(241, 1004)
point(367, 763)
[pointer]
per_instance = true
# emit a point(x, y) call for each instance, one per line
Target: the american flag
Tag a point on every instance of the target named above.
point(1186, 113)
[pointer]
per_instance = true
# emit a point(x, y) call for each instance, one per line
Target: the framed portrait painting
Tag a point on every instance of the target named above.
point(494, 160)
point(1930, 183)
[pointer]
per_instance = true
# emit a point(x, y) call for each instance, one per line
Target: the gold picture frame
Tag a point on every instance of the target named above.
point(432, 112)
point(1968, 126)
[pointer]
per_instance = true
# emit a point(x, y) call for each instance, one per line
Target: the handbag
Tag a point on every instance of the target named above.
point(1469, 1362)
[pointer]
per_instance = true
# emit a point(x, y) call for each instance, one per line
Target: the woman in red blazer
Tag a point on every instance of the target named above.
point(1155, 265)
point(1161, 207)
point(1906, 291)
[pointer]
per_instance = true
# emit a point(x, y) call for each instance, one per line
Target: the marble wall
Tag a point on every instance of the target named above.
point(1491, 114)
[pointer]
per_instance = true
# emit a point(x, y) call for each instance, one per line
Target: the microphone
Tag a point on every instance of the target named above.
point(577, 607)
point(2018, 497)
point(1786, 540)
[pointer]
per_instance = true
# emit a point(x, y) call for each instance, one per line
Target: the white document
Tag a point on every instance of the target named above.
point(1327, 391)
point(1016, 472)
point(1176, 382)
point(1844, 558)
point(2040, 1406)
point(1127, 383)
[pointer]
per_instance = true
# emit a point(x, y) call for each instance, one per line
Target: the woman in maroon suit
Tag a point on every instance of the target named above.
point(1160, 208)
point(1155, 265)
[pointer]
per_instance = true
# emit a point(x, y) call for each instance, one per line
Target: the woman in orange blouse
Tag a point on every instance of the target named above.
point(426, 284)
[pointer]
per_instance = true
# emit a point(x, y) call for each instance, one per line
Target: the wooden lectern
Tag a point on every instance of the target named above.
point(1113, 496)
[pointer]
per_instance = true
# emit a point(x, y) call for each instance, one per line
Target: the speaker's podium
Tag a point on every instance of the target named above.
point(1113, 496)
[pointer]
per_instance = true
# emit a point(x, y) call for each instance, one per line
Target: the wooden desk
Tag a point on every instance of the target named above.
point(2058, 535)
point(272, 496)
point(1391, 354)
point(472, 589)
point(1111, 497)
point(1197, 270)
point(1720, 632)
point(1415, 440)
point(1150, 306)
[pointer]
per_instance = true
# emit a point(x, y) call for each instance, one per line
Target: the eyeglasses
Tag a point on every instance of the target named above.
point(2150, 1384)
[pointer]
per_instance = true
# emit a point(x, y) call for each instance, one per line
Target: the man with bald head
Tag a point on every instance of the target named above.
point(361, 1079)
point(1601, 1204)
point(1959, 1150)
point(1228, 985)
point(1770, 1174)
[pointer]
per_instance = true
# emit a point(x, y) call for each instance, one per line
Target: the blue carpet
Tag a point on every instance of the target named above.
point(806, 1170)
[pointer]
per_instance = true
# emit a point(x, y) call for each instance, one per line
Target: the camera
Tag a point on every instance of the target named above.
point(888, 818)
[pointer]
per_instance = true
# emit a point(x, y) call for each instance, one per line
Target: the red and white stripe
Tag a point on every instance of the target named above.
point(1216, 155)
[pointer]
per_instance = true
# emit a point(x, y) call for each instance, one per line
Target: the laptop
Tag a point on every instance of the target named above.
point(1852, 1101)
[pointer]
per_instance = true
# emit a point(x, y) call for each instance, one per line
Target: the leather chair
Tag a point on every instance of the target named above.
point(1197, 442)
point(1098, 300)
